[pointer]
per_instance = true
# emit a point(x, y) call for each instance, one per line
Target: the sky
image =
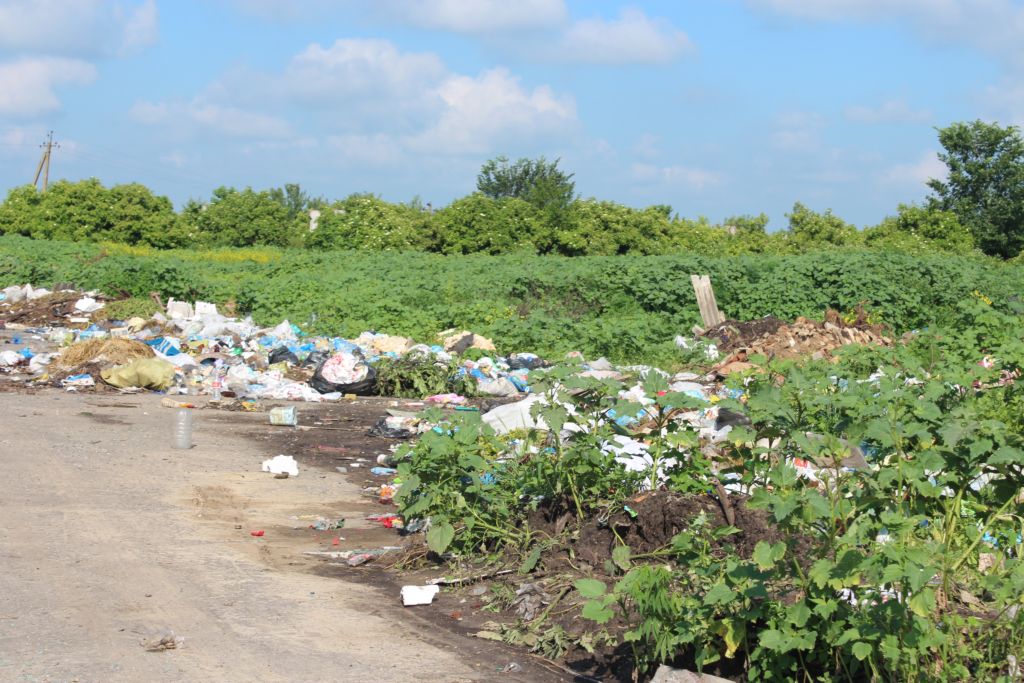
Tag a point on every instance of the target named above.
point(715, 107)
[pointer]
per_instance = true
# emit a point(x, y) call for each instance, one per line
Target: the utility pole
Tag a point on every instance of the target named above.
point(44, 162)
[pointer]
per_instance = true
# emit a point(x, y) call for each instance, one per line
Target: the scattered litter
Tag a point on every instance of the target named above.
point(144, 373)
point(389, 521)
point(324, 524)
point(666, 674)
point(284, 415)
point(88, 305)
point(163, 643)
point(78, 381)
point(282, 464)
point(446, 399)
point(418, 595)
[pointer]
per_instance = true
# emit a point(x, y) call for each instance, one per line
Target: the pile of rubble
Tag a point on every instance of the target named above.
point(775, 338)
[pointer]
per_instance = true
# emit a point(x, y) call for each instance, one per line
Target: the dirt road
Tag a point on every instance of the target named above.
point(109, 537)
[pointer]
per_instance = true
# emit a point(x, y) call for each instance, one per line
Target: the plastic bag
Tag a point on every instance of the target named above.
point(315, 358)
point(389, 431)
point(282, 354)
point(345, 373)
point(525, 361)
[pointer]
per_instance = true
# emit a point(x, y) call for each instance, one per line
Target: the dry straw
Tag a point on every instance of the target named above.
point(104, 351)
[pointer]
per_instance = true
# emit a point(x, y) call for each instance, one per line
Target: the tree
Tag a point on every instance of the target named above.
point(241, 218)
point(984, 187)
point(295, 200)
point(481, 225)
point(88, 212)
point(811, 230)
point(916, 228)
point(536, 181)
point(365, 221)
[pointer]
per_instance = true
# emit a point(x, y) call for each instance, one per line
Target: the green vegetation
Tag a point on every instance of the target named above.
point(626, 307)
point(908, 569)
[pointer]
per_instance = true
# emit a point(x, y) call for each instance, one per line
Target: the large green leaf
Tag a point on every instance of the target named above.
point(439, 537)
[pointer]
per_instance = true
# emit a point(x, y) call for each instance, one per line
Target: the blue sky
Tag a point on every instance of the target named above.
point(717, 107)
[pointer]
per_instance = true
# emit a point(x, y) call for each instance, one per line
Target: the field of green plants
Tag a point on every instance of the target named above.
point(628, 308)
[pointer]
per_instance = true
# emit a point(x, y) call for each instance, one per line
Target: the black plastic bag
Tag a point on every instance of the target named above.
point(364, 387)
point(281, 353)
point(382, 429)
point(517, 363)
point(315, 358)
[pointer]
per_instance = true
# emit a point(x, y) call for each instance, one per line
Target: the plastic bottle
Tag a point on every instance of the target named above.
point(181, 436)
point(216, 385)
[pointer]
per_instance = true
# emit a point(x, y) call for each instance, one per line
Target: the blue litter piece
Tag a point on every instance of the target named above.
point(519, 383)
point(383, 471)
point(27, 352)
point(164, 346)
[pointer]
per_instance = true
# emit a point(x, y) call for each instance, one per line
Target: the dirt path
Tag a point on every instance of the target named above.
point(108, 536)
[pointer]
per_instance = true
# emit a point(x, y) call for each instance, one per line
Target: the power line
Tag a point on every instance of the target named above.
point(44, 162)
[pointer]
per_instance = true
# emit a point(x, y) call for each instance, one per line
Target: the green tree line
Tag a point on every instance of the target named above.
point(531, 206)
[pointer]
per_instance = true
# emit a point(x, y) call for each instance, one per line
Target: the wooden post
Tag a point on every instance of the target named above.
point(709, 312)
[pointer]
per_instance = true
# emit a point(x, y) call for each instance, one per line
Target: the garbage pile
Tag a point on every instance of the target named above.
point(192, 349)
point(777, 339)
point(65, 338)
point(31, 306)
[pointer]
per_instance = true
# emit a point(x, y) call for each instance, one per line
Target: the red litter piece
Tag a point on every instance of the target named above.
point(256, 533)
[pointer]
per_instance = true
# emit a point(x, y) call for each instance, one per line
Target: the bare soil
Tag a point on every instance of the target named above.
point(111, 540)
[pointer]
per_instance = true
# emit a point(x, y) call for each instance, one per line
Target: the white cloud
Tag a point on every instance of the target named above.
point(376, 149)
point(459, 16)
point(175, 158)
point(1005, 102)
point(355, 69)
point(493, 107)
point(917, 173)
point(476, 16)
point(219, 118)
point(76, 28)
point(990, 26)
point(893, 111)
point(373, 103)
point(28, 86)
point(674, 176)
point(648, 146)
point(632, 38)
point(798, 132)
point(140, 27)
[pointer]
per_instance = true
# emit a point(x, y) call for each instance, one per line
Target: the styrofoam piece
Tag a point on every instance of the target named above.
point(418, 595)
point(282, 464)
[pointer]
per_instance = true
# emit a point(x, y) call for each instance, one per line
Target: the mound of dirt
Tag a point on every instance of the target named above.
point(802, 337)
point(660, 515)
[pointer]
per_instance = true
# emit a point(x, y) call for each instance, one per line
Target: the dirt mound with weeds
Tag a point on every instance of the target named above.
point(777, 339)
